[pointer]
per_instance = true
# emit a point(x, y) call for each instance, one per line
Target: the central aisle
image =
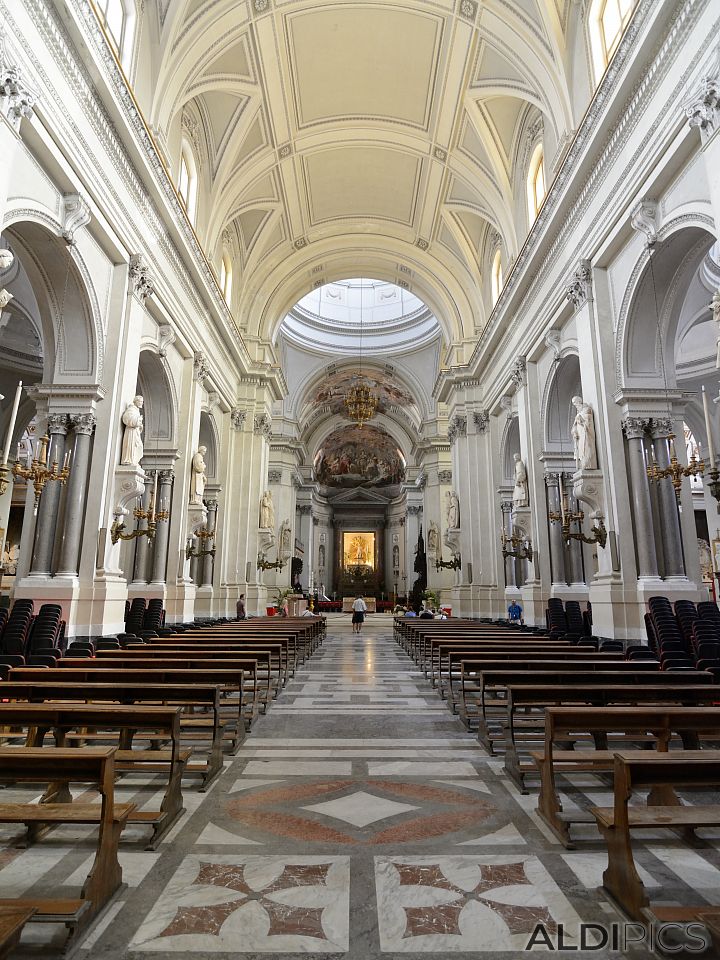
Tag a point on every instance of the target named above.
point(361, 819)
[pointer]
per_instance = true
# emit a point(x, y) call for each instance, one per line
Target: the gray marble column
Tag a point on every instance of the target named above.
point(506, 508)
point(208, 560)
point(670, 534)
point(574, 547)
point(83, 425)
point(163, 527)
point(635, 428)
point(40, 565)
point(194, 560)
point(140, 569)
point(557, 547)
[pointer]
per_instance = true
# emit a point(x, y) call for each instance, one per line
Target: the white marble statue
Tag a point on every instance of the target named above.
point(198, 476)
point(267, 511)
point(453, 510)
point(6, 261)
point(520, 490)
point(285, 535)
point(433, 539)
point(132, 445)
point(583, 434)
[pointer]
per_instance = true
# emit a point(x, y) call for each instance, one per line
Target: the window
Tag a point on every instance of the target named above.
point(536, 182)
point(497, 277)
point(608, 19)
point(187, 180)
point(226, 277)
point(112, 16)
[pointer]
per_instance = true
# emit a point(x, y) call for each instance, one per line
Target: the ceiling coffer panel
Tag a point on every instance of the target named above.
point(377, 62)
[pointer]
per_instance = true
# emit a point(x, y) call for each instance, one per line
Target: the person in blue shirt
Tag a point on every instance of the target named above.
point(515, 612)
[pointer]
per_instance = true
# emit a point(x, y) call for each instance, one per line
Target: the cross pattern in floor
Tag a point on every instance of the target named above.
point(360, 818)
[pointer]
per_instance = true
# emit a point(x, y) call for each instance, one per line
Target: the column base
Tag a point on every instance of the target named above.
point(204, 601)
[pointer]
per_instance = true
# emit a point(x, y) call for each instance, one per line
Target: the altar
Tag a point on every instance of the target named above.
point(349, 601)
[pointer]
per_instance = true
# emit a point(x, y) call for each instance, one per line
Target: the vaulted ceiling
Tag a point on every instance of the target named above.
point(361, 138)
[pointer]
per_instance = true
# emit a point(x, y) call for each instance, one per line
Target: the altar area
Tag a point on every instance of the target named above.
point(349, 601)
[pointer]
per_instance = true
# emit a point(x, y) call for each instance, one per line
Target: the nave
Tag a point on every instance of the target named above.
point(359, 819)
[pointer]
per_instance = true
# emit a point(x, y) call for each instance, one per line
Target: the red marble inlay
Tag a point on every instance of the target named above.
point(423, 828)
point(424, 875)
point(301, 875)
point(189, 920)
point(285, 825)
point(495, 875)
point(231, 876)
point(296, 921)
point(519, 919)
point(443, 918)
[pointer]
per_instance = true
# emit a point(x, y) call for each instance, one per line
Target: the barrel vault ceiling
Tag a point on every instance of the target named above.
point(326, 132)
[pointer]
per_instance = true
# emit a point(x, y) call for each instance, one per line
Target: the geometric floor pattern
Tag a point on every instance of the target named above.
point(359, 819)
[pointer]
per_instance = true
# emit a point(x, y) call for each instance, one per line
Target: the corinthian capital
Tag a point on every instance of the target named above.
point(579, 290)
point(142, 285)
point(16, 98)
point(635, 427)
point(83, 423)
point(703, 108)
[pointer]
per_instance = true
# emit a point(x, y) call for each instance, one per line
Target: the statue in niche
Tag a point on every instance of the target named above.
point(520, 490)
point(396, 558)
point(267, 512)
point(453, 510)
point(132, 445)
point(583, 434)
point(433, 539)
point(285, 535)
point(321, 556)
point(198, 477)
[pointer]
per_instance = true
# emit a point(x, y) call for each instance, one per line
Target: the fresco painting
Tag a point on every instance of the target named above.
point(355, 456)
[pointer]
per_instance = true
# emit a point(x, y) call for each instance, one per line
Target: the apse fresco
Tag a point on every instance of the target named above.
point(334, 388)
point(355, 456)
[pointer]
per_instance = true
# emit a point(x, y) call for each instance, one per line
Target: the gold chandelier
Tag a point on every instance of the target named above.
point(360, 402)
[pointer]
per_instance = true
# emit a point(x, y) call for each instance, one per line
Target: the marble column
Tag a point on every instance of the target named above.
point(506, 509)
point(83, 425)
point(140, 568)
point(557, 546)
point(208, 559)
point(57, 428)
point(194, 561)
point(165, 479)
point(670, 534)
point(635, 428)
point(574, 548)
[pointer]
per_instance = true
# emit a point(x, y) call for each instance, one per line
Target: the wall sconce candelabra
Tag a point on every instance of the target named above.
point(117, 530)
point(453, 564)
point(37, 470)
point(676, 471)
point(263, 564)
point(522, 548)
point(598, 533)
point(202, 534)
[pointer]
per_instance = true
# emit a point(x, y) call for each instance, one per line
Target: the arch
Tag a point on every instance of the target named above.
point(682, 244)
point(68, 309)
point(557, 416)
point(208, 437)
point(155, 385)
point(328, 424)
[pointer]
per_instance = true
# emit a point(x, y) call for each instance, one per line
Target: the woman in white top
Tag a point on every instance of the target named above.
point(359, 607)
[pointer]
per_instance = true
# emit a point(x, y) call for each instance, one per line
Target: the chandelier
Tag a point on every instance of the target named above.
point(360, 402)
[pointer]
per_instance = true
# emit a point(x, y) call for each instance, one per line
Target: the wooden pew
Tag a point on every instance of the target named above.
point(127, 722)
point(538, 696)
point(216, 727)
point(91, 765)
point(594, 728)
point(682, 771)
point(231, 682)
point(12, 922)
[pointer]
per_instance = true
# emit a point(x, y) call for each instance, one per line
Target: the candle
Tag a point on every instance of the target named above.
point(708, 430)
point(11, 428)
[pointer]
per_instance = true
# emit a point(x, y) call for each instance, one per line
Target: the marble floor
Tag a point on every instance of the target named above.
point(359, 820)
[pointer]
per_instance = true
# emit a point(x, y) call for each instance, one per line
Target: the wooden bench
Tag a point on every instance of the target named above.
point(593, 728)
point(691, 769)
point(12, 921)
point(127, 722)
point(91, 765)
point(522, 698)
point(224, 731)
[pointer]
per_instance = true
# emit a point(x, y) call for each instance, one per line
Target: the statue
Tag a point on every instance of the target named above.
point(198, 477)
point(285, 534)
point(453, 510)
point(715, 307)
point(433, 540)
point(520, 490)
point(6, 261)
point(132, 445)
point(583, 434)
point(267, 512)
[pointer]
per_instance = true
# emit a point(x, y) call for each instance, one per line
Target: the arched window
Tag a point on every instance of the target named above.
point(536, 182)
point(114, 17)
point(187, 180)
point(226, 277)
point(497, 277)
point(608, 19)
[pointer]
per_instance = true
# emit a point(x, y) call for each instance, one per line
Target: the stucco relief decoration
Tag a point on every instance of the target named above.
point(644, 220)
point(16, 98)
point(444, 476)
point(274, 476)
point(262, 425)
point(201, 368)
point(238, 418)
point(335, 387)
point(457, 428)
point(364, 456)
point(142, 285)
point(166, 337)
point(76, 214)
point(481, 418)
point(517, 375)
point(703, 110)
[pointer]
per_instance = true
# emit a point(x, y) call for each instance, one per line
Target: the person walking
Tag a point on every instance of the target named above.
point(359, 608)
